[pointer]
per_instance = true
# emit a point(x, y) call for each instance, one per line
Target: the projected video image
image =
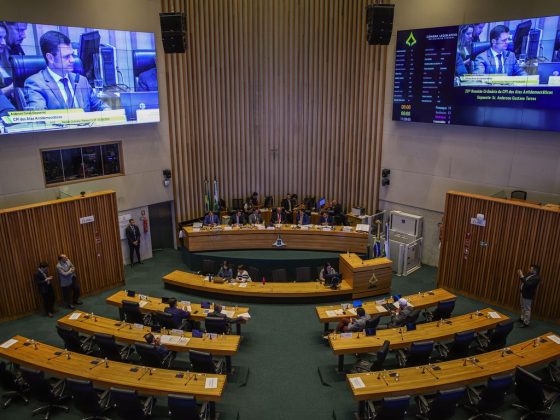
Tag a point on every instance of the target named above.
point(61, 77)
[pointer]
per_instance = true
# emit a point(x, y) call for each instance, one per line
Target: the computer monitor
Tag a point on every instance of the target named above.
point(521, 34)
point(534, 43)
point(321, 203)
point(89, 53)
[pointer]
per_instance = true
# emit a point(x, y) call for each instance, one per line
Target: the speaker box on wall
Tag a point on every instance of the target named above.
point(379, 23)
point(173, 32)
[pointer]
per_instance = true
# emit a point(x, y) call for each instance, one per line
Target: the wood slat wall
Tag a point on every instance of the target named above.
point(518, 234)
point(38, 232)
point(275, 96)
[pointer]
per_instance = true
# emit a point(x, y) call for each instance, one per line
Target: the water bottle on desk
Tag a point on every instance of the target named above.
point(263, 281)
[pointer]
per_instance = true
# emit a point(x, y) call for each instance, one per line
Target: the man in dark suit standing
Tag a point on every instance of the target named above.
point(44, 283)
point(529, 285)
point(497, 59)
point(133, 237)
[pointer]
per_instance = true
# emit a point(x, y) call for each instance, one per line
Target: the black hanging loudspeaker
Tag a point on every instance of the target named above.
point(379, 23)
point(173, 27)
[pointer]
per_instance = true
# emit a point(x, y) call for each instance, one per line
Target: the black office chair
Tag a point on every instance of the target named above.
point(366, 365)
point(484, 401)
point(184, 407)
point(440, 407)
point(42, 390)
point(108, 347)
point(14, 384)
point(73, 341)
point(237, 204)
point(217, 325)
point(202, 362)
point(142, 60)
point(419, 353)
point(460, 346)
point(88, 400)
point(130, 406)
point(268, 202)
point(390, 408)
point(443, 310)
point(412, 318)
point(280, 275)
point(133, 315)
point(496, 338)
point(519, 194)
point(165, 320)
point(372, 324)
point(536, 398)
point(254, 273)
point(150, 356)
point(303, 274)
point(478, 47)
point(209, 267)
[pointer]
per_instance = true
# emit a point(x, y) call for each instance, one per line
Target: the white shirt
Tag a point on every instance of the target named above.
point(497, 61)
point(57, 78)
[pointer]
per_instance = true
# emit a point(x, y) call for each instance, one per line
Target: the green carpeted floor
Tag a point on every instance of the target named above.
point(281, 351)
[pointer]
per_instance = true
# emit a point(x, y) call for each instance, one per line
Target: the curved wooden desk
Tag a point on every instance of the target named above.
point(155, 304)
point(121, 375)
point(401, 338)
point(316, 239)
point(223, 345)
point(254, 289)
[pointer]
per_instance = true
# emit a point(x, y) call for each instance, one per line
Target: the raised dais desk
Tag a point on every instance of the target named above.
point(249, 237)
point(154, 304)
point(453, 373)
point(146, 381)
point(401, 338)
point(223, 345)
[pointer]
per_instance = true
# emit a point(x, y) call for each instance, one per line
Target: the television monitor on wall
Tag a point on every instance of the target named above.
point(494, 74)
point(62, 77)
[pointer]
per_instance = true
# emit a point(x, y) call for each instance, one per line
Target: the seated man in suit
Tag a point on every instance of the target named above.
point(238, 219)
point(179, 315)
point(354, 324)
point(156, 342)
point(256, 217)
point(497, 59)
point(325, 219)
point(401, 314)
point(147, 81)
point(211, 219)
point(278, 217)
point(302, 218)
point(57, 86)
point(218, 314)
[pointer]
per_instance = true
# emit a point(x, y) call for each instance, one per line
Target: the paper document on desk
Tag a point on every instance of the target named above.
point(244, 315)
point(352, 311)
point(554, 338)
point(331, 314)
point(242, 284)
point(174, 339)
point(143, 303)
point(229, 314)
point(74, 316)
point(357, 383)
point(9, 343)
point(211, 383)
point(494, 315)
point(138, 326)
point(380, 308)
point(346, 335)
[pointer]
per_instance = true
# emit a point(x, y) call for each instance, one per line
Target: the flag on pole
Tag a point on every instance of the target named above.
point(216, 196)
point(387, 247)
point(206, 196)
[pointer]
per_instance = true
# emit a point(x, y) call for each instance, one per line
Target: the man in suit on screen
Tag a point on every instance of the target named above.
point(498, 59)
point(57, 86)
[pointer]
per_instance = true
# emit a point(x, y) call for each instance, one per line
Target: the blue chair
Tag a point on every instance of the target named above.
point(202, 362)
point(484, 401)
point(418, 354)
point(443, 310)
point(460, 346)
point(41, 389)
point(495, 339)
point(142, 60)
point(88, 400)
point(130, 406)
point(216, 325)
point(73, 341)
point(184, 407)
point(536, 398)
point(15, 386)
point(390, 408)
point(165, 320)
point(108, 347)
point(151, 355)
point(442, 406)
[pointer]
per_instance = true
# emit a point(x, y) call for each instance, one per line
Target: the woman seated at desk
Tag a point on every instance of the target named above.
point(242, 275)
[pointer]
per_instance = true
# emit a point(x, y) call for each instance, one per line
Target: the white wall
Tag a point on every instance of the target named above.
point(427, 160)
point(145, 148)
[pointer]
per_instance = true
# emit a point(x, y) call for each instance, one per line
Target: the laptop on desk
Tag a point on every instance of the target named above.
point(219, 280)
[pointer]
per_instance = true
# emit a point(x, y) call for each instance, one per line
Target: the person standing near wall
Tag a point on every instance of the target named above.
point(529, 284)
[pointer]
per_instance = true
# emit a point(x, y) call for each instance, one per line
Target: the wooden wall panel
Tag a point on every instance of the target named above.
point(38, 232)
point(517, 235)
point(275, 96)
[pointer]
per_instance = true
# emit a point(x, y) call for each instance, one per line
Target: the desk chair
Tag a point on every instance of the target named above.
point(209, 267)
point(42, 389)
point(479, 47)
point(483, 401)
point(217, 325)
point(73, 341)
point(150, 356)
point(443, 311)
point(365, 365)
point(15, 385)
point(496, 338)
point(442, 406)
point(390, 408)
point(519, 194)
point(254, 273)
point(280, 275)
point(108, 347)
point(142, 60)
point(132, 314)
point(130, 406)
point(88, 400)
point(165, 320)
point(203, 363)
point(418, 354)
point(536, 398)
point(460, 346)
point(412, 318)
point(184, 407)
point(303, 274)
